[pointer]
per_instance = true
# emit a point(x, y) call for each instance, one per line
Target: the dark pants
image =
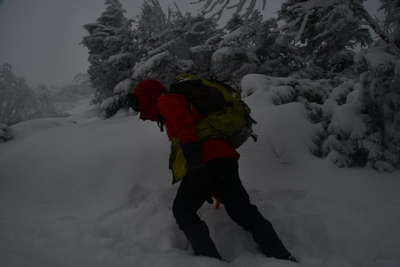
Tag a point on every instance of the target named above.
point(220, 177)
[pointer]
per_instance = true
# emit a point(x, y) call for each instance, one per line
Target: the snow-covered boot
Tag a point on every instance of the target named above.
point(268, 240)
point(200, 240)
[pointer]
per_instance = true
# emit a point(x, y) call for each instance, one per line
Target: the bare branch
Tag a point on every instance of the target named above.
point(218, 14)
point(212, 7)
point(250, 9)
point(302, 27)
point(264, 4)
point(240, 6)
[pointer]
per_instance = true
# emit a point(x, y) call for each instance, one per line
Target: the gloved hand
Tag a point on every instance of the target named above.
point(193, 153)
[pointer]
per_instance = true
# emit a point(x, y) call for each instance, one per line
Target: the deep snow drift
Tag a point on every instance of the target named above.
point(81, 191)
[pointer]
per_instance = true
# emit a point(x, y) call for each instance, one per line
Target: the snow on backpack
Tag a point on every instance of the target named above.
point(226, 116)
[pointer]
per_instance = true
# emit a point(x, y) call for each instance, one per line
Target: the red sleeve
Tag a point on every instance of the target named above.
point(178, 115)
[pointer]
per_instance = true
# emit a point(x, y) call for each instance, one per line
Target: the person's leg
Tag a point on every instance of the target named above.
point(237, 204)
point(192, 193)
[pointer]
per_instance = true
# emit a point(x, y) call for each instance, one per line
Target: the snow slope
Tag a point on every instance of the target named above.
point(84, 192)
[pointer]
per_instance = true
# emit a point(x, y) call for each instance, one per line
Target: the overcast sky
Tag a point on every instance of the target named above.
point(40, 38)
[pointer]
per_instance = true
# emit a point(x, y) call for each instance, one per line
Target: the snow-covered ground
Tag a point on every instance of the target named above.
point(83, 192)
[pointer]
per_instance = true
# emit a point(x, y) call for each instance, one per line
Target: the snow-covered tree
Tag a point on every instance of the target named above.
point(178, 34)
point(111, 49)
point(193, 43)
point(165, 49)
point(266, 38)
point(235, 54)
point(359, 117)
point(380, 101)
point(277, 56)
point(151, 22)
point(357, 112)
point(171, 49)
point(392, 20)
point(17, 100)
point(324, 29)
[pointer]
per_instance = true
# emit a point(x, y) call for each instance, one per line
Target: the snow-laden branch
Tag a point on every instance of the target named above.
point(303, 26)
point(216, 8)
point(355, 5)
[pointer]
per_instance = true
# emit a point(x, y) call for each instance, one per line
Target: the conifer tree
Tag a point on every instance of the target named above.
point(163, 43)
point(325, 28)
point(111, 49)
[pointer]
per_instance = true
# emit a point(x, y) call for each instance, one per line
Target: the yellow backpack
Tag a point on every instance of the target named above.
point(226, 116)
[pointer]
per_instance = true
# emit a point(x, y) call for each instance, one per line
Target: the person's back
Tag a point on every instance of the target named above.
point(210, 169)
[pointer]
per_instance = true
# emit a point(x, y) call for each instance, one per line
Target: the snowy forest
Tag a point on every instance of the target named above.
point(332, 56)
point(84, 182)
point(20, 102)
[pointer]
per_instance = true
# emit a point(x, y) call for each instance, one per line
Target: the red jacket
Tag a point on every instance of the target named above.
point(180, 121)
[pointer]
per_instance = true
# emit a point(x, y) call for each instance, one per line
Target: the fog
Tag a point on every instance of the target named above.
point(40, 38)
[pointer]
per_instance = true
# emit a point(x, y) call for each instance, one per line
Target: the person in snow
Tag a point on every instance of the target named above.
point(212, 171)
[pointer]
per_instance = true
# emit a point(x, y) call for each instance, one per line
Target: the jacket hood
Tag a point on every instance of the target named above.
point(147, 93)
